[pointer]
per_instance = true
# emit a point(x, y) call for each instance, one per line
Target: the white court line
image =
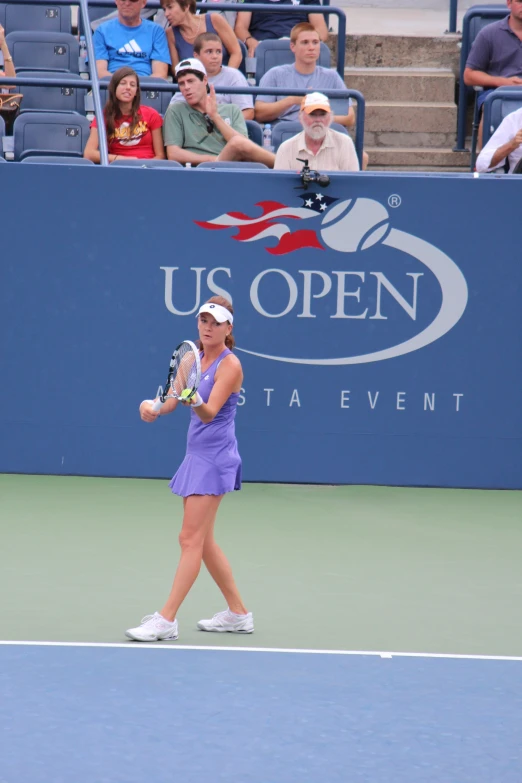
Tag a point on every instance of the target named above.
point(284, 650)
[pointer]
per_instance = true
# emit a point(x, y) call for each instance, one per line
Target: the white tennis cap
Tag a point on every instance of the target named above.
point(190, 64)
point(221, 314)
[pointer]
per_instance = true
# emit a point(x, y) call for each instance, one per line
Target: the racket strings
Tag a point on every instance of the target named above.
point(184, 373)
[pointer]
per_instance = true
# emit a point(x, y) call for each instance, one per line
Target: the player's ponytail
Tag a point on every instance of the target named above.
point(220, 300)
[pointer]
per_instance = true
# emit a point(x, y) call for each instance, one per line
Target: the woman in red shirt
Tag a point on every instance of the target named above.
point(133, 131)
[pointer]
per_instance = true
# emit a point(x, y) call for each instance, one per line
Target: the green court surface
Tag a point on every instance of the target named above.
point(338, 568)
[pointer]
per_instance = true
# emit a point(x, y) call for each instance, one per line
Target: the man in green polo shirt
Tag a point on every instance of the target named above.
point(198, 129)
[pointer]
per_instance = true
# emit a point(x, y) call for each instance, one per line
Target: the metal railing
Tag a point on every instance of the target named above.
point(452, 25)
point(164, 86)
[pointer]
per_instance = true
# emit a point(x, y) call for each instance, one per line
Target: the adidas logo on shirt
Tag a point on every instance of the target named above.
point(132, 48)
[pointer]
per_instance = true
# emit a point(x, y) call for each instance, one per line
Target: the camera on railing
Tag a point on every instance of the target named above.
point(308, 176)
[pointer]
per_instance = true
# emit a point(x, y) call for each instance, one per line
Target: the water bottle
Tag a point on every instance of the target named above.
point(83, 48)
point(267, 137)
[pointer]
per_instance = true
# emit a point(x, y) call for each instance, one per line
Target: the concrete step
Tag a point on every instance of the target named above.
point(424, 85)
point(404, 140)
point(388, 158)
point(406, 117)
point(376, 51)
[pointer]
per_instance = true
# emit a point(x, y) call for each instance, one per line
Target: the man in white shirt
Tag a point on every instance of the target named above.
point(506, 142)
point(324, 148)
point(209, 50)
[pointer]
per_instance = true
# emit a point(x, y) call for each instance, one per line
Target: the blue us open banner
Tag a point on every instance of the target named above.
point(378, 321)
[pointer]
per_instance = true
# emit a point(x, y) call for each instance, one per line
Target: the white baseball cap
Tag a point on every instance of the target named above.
point(314, 101)
point(190, 64)
point(221, 314)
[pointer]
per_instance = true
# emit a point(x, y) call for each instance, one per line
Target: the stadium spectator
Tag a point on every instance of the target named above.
point(8, 69)
point(304, 73)
point(198, 129)
point(495, 58)
point(133, 131)
point(252, 27)
point(209, 49)
point(131, 41)
point(186, 25)
point(324, 148)
point(230, 16)
point(505, 144)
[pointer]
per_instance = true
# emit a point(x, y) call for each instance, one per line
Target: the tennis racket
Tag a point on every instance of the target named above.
point(184, 375)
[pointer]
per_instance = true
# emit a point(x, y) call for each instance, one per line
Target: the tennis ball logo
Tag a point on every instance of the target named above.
point(354, 225)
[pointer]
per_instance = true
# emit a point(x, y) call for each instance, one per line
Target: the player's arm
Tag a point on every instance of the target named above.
point(228, 380)
point(149, 415)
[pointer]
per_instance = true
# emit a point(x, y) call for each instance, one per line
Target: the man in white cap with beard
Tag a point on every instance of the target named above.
point(324, 148)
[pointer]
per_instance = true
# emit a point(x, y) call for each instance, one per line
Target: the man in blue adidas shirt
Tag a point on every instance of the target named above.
point(132, 41)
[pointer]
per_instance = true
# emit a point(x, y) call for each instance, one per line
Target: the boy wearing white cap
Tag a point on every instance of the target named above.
point(324, 148)
point(198, 129)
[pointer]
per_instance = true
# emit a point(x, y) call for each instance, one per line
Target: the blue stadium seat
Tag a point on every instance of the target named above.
point(2, 159)
point(61, 160)
point(255, 132)
point(476, 18)
point(49, 133)
point(153, 163)
point(285, 130)
point(33, 51)
point(278, 52)
point(165, 101)
point(2, 134)
point(44, 16)
point(231, 164)
point(497, 106)
point(148, 97)
point(53, 98)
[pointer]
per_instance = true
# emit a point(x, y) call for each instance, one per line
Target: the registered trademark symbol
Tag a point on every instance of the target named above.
point(394, 201)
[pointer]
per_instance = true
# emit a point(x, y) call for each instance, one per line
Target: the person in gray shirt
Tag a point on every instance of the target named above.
point(495, 59)
point(305, 74)
point(209, 50)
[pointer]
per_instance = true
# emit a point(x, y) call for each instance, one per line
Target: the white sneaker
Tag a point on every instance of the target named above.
point(227, 621)
point(153, 628)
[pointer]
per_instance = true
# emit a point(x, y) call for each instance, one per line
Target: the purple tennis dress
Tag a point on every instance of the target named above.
point(212, 465)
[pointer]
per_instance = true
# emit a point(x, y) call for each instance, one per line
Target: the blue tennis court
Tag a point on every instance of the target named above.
point(138, 713)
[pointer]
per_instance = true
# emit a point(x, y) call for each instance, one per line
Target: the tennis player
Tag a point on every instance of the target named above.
point(211, 468)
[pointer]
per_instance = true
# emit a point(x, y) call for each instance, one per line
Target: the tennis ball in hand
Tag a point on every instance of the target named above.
point(185, 394)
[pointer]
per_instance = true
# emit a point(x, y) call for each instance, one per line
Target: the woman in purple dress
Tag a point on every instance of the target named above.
point(211, 468)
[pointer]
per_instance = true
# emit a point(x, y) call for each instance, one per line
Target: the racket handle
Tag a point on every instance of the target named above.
point(157, 405)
